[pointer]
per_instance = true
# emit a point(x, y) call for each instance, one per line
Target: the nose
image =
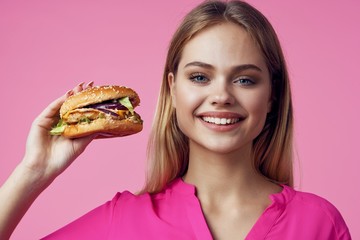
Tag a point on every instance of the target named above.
point(221, 95)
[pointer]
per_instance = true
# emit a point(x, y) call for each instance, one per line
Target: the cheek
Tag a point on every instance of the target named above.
point(187, 99)
point(187, 103)
point(260, 108)
point(257, 106)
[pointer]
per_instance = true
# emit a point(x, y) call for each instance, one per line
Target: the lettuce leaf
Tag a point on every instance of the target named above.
point(125, 101)
point(85, 119)
point(59, 128)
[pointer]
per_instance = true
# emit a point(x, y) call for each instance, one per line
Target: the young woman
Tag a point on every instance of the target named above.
point(220, 149)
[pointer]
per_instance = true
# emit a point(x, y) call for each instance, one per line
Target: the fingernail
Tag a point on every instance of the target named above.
point(69, 93)
point(90, 84)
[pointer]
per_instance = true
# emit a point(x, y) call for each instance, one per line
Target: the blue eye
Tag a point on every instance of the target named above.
point(198, 78)
point(244, 81)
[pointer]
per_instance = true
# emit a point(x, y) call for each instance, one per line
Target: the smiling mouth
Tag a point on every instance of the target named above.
point(220, 121)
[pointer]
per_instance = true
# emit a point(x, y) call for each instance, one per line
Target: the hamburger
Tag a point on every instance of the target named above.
point(104, 110)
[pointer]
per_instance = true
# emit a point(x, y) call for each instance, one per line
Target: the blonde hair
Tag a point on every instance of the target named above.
point(168, 150)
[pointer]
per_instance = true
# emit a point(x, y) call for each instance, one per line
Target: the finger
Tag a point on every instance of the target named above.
point(87, 139)
point(79, 87)
point(69, 93)
point(81, 143)
point(89, 85)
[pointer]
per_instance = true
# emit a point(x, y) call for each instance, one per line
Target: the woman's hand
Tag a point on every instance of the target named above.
point(45, 158)
point(48, 156)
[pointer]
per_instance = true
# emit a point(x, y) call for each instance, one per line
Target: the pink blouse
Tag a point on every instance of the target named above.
point(176, 213)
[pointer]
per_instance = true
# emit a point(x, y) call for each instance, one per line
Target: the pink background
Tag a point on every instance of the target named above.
point(47, 47)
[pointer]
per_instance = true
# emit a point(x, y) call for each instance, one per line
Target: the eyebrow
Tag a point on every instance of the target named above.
point(236, 68)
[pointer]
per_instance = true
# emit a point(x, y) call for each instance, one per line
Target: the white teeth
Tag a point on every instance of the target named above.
point(220, 121)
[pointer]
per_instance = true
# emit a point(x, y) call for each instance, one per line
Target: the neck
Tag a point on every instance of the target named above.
point(222, 175)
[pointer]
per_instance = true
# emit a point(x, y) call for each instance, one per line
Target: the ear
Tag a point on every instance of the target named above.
point(171, 83)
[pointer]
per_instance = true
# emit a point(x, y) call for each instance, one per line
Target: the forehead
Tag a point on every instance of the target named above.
point(222, 45)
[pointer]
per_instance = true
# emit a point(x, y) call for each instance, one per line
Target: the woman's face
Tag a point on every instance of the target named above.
point(222, 89)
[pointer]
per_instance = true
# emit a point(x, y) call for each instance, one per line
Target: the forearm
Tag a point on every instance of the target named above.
point(16, 196)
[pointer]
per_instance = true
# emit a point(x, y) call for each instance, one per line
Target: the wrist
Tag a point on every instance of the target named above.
point(33, 176)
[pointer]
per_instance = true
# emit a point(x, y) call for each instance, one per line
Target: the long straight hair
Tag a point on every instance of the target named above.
point(168, 147)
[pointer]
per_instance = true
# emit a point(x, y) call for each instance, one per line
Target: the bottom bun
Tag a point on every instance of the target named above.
point(104, 127)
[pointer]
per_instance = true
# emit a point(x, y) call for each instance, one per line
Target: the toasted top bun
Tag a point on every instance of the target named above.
point(96, 95)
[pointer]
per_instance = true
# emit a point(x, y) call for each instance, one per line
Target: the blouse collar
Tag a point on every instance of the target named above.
point(283, 197)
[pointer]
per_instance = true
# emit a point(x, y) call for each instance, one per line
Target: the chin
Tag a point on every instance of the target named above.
point(221, 147)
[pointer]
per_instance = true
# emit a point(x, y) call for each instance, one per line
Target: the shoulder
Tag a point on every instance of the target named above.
point(316, 205)
point(127, 200)
point(313, 201)
point(172, 194)
point(315, 212)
